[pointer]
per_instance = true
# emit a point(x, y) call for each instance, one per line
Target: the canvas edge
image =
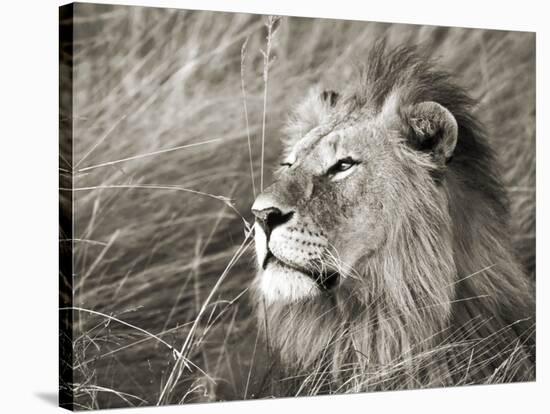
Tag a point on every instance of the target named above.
point(66, 36)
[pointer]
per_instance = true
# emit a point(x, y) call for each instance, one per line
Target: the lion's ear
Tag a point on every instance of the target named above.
point(330, 97)
point(432, 128)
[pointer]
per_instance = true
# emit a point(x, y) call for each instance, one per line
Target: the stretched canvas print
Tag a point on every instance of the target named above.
point(267, 206)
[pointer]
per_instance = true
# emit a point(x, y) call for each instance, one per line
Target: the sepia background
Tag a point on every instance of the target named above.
point(170, 111)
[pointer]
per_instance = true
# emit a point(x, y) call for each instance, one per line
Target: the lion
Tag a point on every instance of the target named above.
point(383, 250)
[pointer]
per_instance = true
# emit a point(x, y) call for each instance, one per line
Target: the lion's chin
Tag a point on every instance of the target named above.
point(279, 283)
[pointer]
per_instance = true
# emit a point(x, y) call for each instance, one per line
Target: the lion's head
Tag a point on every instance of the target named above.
point(345, 188)
point(383, 237)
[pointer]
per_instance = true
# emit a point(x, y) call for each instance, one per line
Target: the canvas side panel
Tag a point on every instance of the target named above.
point(66, 14)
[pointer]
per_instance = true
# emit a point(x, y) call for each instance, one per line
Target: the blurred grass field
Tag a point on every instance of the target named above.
point(161, 164)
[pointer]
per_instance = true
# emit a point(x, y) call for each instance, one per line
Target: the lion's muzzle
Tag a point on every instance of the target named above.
point(289, 249)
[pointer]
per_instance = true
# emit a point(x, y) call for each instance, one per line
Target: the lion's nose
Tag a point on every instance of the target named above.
point(269, 216)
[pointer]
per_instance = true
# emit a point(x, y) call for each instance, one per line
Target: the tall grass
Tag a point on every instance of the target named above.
point(176, 118)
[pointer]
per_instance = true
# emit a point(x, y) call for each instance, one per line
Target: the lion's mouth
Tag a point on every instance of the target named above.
point(325, 280)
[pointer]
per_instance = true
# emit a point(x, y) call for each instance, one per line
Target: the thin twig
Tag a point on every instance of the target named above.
point(100, 140)
point(137, 328)
point(271, 20)
point(177, 371)
point(243, 89)
point(149, 154)
point(98, 259)
point(224, 199)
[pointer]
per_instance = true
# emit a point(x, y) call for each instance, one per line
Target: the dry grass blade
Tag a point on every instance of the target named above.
point(178, 369)
point(149, 154)
point(243, 91)
point(270, 23)
point(137, 328)
point(122, 395)
point(223, 199)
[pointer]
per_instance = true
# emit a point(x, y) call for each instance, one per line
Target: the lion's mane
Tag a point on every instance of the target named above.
point(444, 302)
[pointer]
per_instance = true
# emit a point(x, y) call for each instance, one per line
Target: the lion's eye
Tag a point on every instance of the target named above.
point(341, 166)
point(285, 164)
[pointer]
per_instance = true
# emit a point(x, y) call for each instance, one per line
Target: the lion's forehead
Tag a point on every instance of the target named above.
point(323, 143)
point(352, 125)
point(310, 141)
